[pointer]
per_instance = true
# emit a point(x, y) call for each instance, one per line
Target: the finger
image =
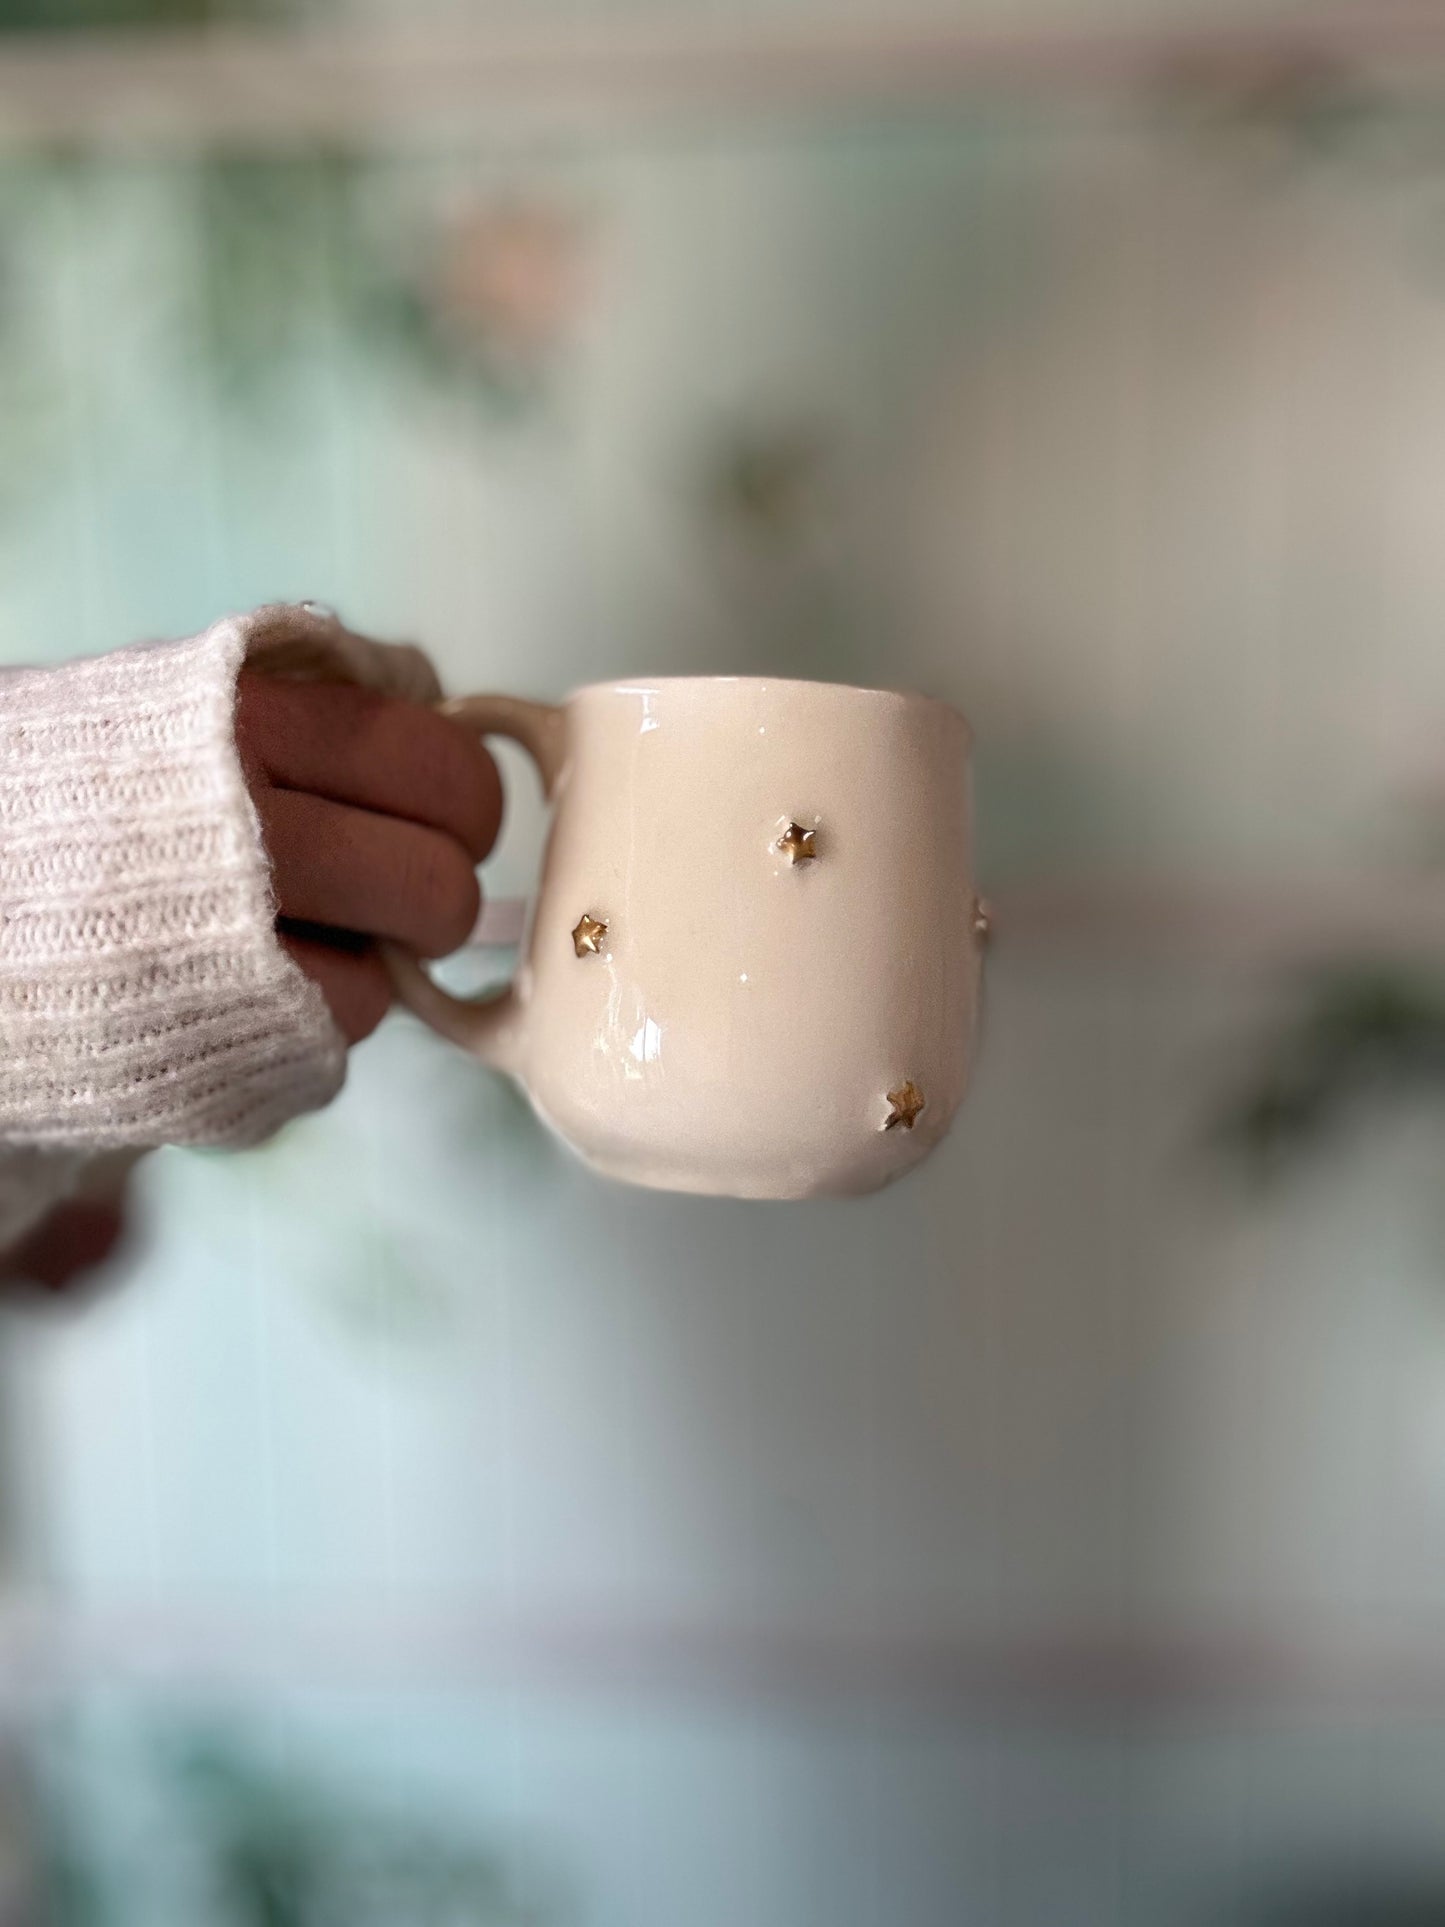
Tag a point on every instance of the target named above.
point(354, 984)
point(375, 752)
point(75, 1238)
point(354, 870)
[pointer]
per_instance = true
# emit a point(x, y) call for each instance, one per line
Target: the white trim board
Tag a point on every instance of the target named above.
point(200, 87)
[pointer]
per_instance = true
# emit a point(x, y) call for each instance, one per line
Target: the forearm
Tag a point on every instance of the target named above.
point(144, 998)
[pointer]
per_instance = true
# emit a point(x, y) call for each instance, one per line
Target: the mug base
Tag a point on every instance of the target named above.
point(756, 1186)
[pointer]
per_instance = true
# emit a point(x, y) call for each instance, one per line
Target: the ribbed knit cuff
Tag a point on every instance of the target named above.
point(144, 998)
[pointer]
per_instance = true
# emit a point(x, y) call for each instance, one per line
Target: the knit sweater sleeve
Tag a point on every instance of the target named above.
point(144, 997)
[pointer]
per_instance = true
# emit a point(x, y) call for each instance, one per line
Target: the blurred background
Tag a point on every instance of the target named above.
point(412, 1531)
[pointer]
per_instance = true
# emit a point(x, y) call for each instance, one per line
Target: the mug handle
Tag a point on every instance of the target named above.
point(486, 1026)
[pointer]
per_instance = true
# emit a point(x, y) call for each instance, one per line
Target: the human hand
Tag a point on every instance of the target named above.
point(80, 1234)
point(74, 1239)
point(375, 813)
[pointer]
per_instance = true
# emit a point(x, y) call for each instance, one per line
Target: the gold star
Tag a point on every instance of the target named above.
point(907, 1102)
point(588, 936)
point(796, 844)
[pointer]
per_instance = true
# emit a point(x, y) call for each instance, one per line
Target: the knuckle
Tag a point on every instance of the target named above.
point(265, 716)
point(370, 998)
point(445, 894)
point(470, 783)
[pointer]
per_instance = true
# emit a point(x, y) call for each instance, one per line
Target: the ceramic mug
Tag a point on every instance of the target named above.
point(753, 964)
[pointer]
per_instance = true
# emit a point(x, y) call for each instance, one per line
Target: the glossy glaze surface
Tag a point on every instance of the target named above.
point(753, 967)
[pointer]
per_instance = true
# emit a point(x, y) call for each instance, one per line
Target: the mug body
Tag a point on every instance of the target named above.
point(753, 967)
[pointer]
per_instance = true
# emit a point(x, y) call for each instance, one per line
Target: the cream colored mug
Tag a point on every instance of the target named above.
point(753, 964)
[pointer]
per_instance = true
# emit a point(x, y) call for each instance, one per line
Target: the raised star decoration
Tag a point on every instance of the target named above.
point(797, 844)
point(907, 1102)
point(587, 938)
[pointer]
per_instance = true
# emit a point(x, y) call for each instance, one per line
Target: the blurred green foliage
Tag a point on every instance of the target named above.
point(245, 1843)
point(1361, 1039)
point(295, 245)
point(254, 270)
point(78, 16)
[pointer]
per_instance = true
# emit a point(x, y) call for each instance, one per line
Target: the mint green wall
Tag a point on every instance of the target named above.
point(1093, 433)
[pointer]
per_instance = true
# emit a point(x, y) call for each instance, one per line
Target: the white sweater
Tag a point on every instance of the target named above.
point(144, 998)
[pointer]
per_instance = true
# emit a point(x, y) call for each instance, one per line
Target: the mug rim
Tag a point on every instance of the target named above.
point(648, 685)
